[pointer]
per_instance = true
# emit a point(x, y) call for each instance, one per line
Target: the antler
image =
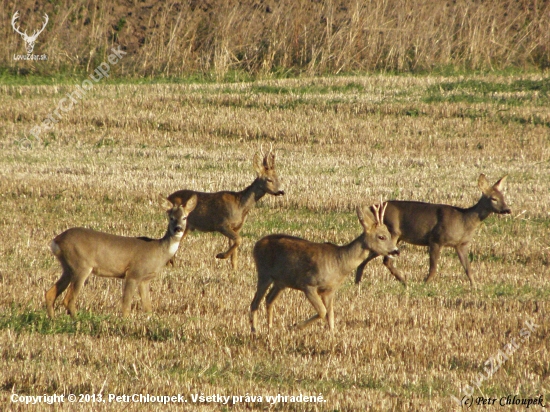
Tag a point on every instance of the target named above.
point(379, 211)
point(36, 33)
point(262, 149)
point(268, 158)
point(13, 19)
point(383, 212)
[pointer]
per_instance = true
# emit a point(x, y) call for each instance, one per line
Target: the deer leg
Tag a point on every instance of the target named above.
point(76, 287)
point(68, 297)
point(328, 302)
point(58, 288)
point(127, 295)
point(388, 262)
point(462, 252)
point(435, 251)
point(235, 259)
point(315, 299)
point(233, 236)
point(263, 285)
point(234, 255)
point(145, 294)
point(361, 267)
point(269, 301)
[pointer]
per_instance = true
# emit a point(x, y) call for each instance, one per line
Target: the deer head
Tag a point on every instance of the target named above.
point(29, 40)
point(377, 238)
point(264, 164)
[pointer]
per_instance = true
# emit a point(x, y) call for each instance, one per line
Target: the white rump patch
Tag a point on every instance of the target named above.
point(54, 247)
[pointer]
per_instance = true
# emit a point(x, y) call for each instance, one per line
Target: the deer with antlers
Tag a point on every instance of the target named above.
point(225, 212)
point(317, 269)
point(438, 226)
point(29, 40)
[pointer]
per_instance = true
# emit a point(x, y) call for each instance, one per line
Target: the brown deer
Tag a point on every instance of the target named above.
point(317, 269)
point(225, 212)
point(83, 252)
point(436, 226)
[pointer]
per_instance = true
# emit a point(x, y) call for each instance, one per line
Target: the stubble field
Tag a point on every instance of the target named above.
point(339, 142)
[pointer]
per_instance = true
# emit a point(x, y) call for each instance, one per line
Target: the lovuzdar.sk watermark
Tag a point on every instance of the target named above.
point(30, 40)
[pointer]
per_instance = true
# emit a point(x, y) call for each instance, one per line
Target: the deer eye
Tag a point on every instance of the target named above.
point(494, 199)
point(269, 180)
point(382, 237)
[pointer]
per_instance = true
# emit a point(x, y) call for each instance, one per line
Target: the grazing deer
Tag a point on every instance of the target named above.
point(317, 269)
point(435, 226)
point(83, 252)
point(225, 212)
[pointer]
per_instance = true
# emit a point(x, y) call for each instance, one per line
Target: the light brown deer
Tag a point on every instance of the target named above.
point(436, 226)
point(83, 252)
point(317, 269)
point(226, 212)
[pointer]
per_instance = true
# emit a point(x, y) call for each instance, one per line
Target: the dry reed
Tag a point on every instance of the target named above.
point(264, 38)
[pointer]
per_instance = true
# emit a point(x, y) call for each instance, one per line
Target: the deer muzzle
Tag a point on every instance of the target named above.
point(394, 253)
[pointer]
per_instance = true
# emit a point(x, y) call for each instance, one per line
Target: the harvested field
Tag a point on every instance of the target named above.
point(340, 141)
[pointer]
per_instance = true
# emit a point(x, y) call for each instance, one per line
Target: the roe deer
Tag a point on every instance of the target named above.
point(225, 212)
point(83, 252)
point(317, 269)
point(435, 226)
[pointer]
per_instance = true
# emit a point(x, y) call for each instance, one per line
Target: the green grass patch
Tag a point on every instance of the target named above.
point(22, 320)
point(515, 93)
point(351, 87)
point(9, 77)
point(303, 220)
point(507, 290)
point(483, 87)
point(460, 288)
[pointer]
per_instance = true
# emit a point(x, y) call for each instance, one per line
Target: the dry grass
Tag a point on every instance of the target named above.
point(276, 37)
point(339, 142)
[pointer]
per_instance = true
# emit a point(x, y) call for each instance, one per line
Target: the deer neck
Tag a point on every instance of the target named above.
point(478, 212)
point(250, 195)
point(170, 243)
point(351, 255)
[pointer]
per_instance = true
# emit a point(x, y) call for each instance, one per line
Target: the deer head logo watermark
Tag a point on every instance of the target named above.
point(29, 40)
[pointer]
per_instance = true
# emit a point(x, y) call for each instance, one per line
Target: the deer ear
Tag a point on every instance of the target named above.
point(483, 184)
point(164, 202)
point(258, 165)
point(191, 204)
point(500, 184)
point(366, 218)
